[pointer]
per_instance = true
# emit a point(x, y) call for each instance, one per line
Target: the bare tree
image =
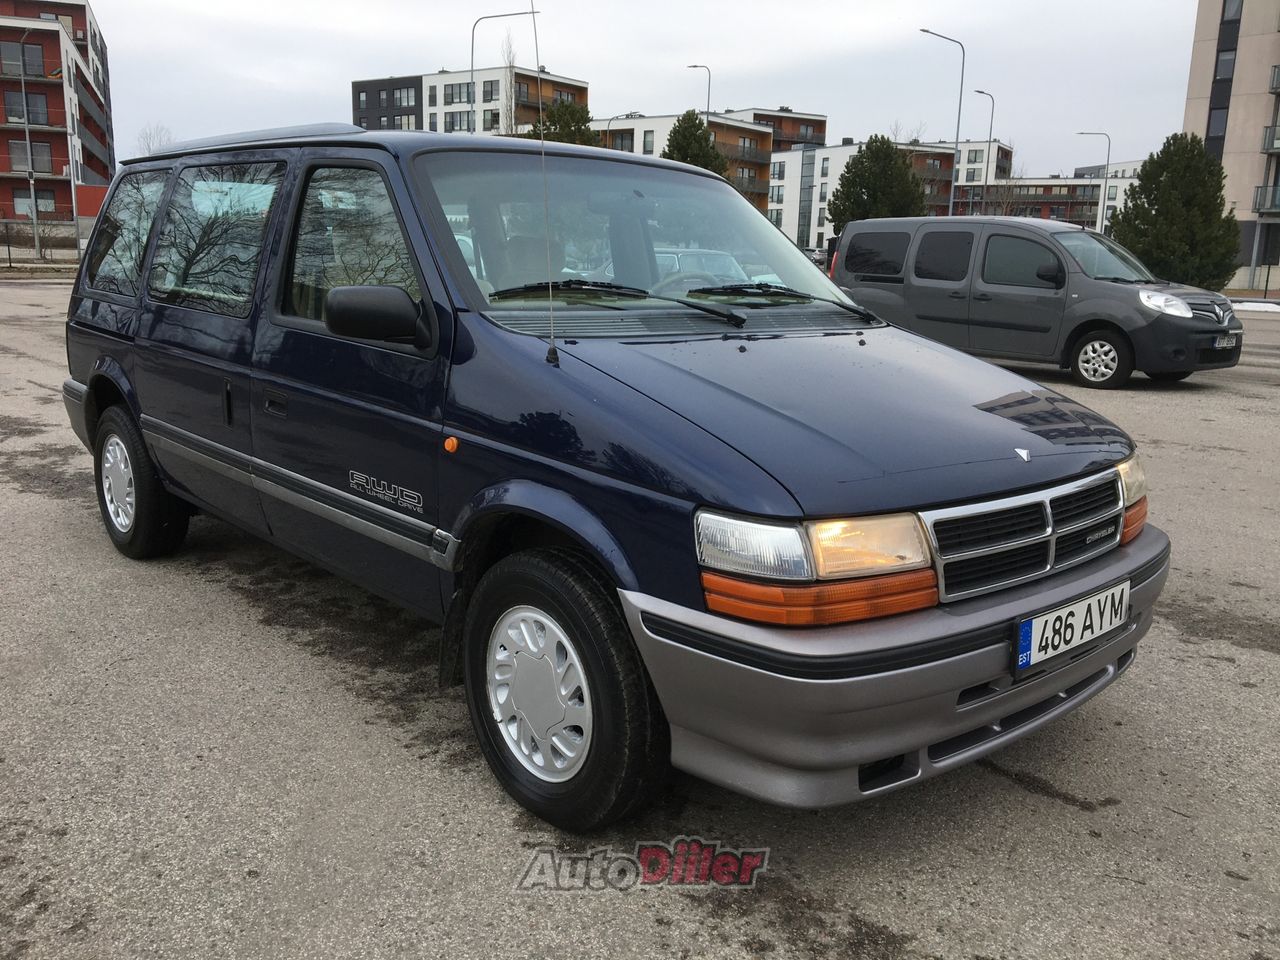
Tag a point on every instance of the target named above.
point(153, 138)
point(899, 134)
point(507, 119)
point(1000, 198)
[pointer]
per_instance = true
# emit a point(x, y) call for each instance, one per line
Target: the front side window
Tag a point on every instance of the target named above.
point(211, 243)
point(944, 255)
point(347, 235)
point(115, 259)
point(1015, 262)
point(1102, 258)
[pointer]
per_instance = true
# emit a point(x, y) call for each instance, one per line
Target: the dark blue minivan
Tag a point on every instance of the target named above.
point(741, 528)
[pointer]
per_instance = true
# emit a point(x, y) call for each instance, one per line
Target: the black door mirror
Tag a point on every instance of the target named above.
point(1052, 273)
point(372, 313)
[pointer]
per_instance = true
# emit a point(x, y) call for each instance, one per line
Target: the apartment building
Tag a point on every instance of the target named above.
point(1075, 200)
point(56, 136)
point(747, 146)
point(504, 100)
point(790, 128)
point(1233, 98)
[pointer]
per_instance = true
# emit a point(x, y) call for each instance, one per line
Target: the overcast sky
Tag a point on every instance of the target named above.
point(1054, 68)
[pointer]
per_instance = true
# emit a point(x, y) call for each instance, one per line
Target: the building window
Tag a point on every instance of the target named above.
point(382, 98)
point(405, 97)
point(775, 194)
point(563, 96)
point(41, 156)
point(431, 95)
point(975, 156)
point(364, 122)
point(775, 217)
point(648, 141)
point(806, 131)
point(826, 166)
point(778, 170)
point(822, 191)
point(489, 92)
point(1231, 10)
point(362, 99)
point(522, 92)
point(456, 120)
point(933, 165)
point(491, 120)
point(1226, 67)
point(431, 125)
point(457, 93)
point(822, 240)
point(20, 58)
point(1111, 192)
point(383, 122)
point(37, 107)
point(971, 175)
point(1217, 123)
point(822, 216)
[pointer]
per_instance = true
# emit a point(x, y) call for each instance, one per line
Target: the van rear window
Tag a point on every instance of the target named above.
point(877, 254)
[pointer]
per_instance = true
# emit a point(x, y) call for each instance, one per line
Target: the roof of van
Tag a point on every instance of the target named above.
point(399, 142)
point(1034, 223)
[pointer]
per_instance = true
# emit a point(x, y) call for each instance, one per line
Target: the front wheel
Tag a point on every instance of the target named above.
point(559, 698)
point(1102, 359)
point(142, 518)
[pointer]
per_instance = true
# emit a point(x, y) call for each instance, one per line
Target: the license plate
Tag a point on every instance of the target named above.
point(1055, 632)
point(1224, 343)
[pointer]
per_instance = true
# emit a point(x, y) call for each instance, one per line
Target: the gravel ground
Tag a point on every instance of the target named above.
point(232, 754)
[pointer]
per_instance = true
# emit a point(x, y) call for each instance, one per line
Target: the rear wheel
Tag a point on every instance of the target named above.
point(1170, 376)
point(142, 518)
point(1102, 359)
point(559, 698)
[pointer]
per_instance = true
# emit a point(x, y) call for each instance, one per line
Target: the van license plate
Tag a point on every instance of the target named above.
point(1055, 632)
point(1224, 343)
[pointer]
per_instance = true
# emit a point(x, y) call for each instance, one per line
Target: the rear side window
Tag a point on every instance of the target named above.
point(877, 254)
point(944, 255)
point(211, 243)
point(1013, 261)
point(115, 261)
point(348, 235)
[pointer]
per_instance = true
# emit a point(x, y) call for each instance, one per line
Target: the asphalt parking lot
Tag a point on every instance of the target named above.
point(232, 754)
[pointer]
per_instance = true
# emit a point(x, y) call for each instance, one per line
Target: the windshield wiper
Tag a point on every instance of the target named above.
point(1122, 280)
point(761, 289)
point(617, 289)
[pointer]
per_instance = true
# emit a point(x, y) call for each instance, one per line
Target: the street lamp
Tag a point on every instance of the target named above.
point(471, 87)
point(986, 170)
point(26, 126)
point(959, 109)
point(1106, 173)
point(703, 66)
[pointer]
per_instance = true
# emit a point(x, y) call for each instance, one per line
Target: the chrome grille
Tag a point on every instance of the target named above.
point(981, 547)
point(1203, 309)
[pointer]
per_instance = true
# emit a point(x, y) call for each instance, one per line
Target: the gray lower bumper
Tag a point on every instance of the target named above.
point(818, 717)
point(73, 397)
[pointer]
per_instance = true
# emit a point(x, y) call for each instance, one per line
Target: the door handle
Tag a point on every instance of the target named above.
point(958, 295)
point(275, 403)
point(982, 296)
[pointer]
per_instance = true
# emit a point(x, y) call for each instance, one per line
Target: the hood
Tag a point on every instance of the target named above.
point(862, 422)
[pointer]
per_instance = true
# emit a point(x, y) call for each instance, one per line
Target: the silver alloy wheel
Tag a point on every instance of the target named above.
point(538, 693)
point(1098, 360)
point(117, 483)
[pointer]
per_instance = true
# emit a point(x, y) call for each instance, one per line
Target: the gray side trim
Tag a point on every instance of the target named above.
point(436, 546)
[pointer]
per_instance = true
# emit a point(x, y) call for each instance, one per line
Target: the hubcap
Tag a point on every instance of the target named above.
point(117, 483)
point(1098, 360)
point(538, 694)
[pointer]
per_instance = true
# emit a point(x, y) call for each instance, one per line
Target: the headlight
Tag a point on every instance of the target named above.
point(767, 550)
point(865, 546)
point(1132, 480)
point(1165, 303)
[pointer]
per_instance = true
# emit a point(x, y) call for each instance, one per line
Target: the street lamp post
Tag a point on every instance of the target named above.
point(1106, 173)
point(702, 66)
point(628, 115)
point(955, 174)
point(26, 127)
point(986, 169)
point(471, 87)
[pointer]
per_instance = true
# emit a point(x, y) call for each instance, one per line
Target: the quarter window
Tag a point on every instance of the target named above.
point(208, 253)
point(1014, 262)
point(944, 255)
point(115, 260)
point(347, 235)
point(877, 254)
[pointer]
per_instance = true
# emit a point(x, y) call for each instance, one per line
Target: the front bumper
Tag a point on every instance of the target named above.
point(818, 717)
point(1172, 344)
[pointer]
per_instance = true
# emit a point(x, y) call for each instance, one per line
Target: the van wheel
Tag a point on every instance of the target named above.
point(142, 518)
point(1170, 376)
point(559, 698)
point(1102, 359)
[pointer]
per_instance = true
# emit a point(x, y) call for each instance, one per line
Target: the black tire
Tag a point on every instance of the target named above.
point(160, 519)
point(1170, 376)
point(628, 756)
point(1122, 362)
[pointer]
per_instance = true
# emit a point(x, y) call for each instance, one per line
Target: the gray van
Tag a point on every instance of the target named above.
point(1020, 288)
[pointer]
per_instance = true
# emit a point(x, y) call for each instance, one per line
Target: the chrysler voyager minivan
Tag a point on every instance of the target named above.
point(1019, 288)
point(743, 529)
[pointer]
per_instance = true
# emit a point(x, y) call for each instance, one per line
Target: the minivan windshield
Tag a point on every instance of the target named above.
point(1102, 258)
point(623, 241)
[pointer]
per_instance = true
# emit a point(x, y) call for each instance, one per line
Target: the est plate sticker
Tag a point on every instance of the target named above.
point(1054, 632)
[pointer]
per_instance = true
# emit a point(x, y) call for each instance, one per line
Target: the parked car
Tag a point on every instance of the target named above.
point(747, 530)
point(1019, 288)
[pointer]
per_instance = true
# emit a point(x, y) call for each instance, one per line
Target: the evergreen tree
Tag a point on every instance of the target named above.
point(566, 122)
point(689, 142)
point(876, 182)
point(1175, 218)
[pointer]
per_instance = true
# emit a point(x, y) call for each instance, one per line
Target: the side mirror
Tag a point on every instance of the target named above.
point(1052, 273)
point(371, 313)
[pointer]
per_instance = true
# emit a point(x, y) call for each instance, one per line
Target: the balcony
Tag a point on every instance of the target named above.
point(33, 71)
point(1266, 199)
point(1275, 78)
point(751, 185)
point(813, 138)
point(736, 152)
point(40, 119)
point(1271, 139)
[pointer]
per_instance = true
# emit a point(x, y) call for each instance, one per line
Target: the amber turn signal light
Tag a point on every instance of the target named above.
point(821, 604)
point(1135, 518)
